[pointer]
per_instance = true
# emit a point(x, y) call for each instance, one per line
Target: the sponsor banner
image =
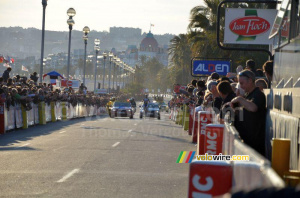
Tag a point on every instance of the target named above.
point(207, 67)
point(248, 26)
point(71, 83)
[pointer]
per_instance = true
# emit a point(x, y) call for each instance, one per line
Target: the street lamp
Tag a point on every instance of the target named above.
point(97, 49)
point(85, 30)
point(110, 55)
point(44, 3)
point(104, 57)
point(71, 13)
point(114, 78)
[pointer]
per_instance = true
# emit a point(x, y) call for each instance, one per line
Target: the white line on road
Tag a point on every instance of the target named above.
point(70, 174)
point(24, 145)
point(130, 131)
point(116, 144)
point(62, 132)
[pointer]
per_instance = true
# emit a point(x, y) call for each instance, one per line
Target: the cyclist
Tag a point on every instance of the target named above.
point(133, 104)
point(146, 102)
point(109, 105)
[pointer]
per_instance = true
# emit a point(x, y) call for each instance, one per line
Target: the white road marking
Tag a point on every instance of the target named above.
point(62, 132)
point(116, 144)
point(24, 145)
point(130, 131)
point(70, 174)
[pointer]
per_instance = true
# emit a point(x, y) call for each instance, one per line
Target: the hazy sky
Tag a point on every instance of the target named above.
point(168, 16)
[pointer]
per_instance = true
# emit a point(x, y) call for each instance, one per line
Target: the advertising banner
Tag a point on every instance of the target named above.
point(248, 26)
point(201, 67)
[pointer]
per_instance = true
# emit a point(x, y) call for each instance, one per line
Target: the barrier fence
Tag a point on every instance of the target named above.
point(214, 178)
point(17, 117)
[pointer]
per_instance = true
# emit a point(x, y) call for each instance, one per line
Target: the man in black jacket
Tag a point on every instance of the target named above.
point(5, 74)
point(34, 77)
point(251, 125)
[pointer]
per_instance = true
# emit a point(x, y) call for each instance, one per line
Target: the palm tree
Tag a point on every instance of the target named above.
point(180, 52)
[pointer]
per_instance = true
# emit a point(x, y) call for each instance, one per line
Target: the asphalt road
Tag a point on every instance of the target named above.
point(95, 157)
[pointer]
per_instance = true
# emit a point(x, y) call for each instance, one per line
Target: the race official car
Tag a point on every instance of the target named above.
point(152, 110)
point(122, 109)
point(162, 106)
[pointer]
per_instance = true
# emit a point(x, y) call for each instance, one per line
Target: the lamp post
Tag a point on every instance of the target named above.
point(44, 3)
point(97, 49)
point(71, 13)
point(114, 78)
point(123, 75)
point(85, 30)
point(104, 58)
point(110, 55)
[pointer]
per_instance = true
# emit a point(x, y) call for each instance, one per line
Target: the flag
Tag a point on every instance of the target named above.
point(5, 65)
point(12, 60)
point(7, 59)
point(24, 68)
point(1, 59)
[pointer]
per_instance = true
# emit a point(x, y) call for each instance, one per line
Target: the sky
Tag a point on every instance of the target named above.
point(168, 16)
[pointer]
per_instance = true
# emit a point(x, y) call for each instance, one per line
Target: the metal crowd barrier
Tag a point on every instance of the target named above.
point(235, 175)
point(17, 117)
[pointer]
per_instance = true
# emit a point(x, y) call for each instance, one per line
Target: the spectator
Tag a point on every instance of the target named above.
point(261, 84)
point(216, 98)
point(1, 80)
point(239, 69)
point(227, 94)
point(250, 65)
point(200, 87)
point(34, 77)
point(251, 125)
point(215, 76)
point(5, 74)
point(268, 71)
point(259, 73)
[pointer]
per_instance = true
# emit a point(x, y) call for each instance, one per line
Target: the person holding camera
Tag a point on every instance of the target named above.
point(251, 123)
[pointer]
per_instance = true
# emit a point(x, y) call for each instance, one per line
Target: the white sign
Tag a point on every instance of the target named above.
point(248, 26)
point(158, 90)
point(101, 91)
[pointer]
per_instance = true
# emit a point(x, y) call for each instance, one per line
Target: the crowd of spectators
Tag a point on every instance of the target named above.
point(27, 91)
point(237, 94)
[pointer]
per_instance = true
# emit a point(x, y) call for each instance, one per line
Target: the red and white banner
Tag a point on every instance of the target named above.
point(71, 83)
point(248, 26)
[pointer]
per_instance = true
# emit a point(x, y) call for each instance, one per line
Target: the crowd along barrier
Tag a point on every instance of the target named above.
point(17, 117)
